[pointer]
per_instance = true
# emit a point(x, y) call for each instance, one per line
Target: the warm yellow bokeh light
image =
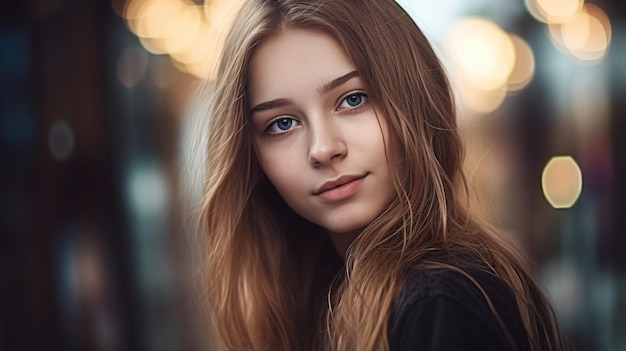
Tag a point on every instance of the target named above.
point(487, 62)
point(535, 11)
point(481, 101)
point(562, 182)
point(558, 11)
point(555, 35)
point(586, 37)
point(524, 69)
point(553, 11)
point(153, 45)
point(185, 35)
point(484, 52)
point(576, 32)
point(158, 18)
point(199, 69)
point(598, 38)
point(221, 13)
point(132, 8)
point(192, 35)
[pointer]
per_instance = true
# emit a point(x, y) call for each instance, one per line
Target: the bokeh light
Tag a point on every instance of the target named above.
point(524, 69)
point(588, 35)
point(484, 52)
point(191, 34)
point(554, 11)
point(132, 66)
point(482, 101)
point(147, 189)
point(578, 29)
point(562, 182)
point(61, 140)
point(488, 62)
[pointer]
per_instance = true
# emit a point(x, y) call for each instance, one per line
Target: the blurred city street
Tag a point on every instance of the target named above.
point(95, 99)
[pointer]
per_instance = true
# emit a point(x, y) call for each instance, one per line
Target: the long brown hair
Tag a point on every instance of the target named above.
point(259, 280)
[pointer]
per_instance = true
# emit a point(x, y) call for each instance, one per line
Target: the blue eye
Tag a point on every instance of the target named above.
point(353, 101)
point(281, 125)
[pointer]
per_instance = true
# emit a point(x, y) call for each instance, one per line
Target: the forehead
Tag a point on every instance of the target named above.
point(295, 59)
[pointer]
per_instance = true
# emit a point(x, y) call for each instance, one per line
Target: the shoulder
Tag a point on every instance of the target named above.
point(445, 310)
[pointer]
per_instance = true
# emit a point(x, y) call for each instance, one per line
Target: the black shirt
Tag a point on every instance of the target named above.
point(443, 310)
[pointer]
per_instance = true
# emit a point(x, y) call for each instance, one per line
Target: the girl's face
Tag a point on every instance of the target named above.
point(319, 138)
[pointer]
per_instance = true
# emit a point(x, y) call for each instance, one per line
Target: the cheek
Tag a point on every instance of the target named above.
point(281, 159)
point(280, 171)
point(266, 157)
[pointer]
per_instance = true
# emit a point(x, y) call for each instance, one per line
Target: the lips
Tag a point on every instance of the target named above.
point(340, 188)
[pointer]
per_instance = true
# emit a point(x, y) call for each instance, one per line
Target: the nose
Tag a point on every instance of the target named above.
point(327, 144)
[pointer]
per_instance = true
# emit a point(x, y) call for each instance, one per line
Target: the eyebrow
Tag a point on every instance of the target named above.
point(268, 105)
point(325, 88)
point(337, 82)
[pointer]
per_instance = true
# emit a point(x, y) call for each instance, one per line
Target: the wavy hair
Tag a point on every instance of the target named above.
point(262, 278)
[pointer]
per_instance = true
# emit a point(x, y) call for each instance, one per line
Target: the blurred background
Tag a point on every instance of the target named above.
point(95, 100)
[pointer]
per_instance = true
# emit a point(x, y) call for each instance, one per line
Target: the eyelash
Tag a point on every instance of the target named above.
point(273, 123)
point(354, 108)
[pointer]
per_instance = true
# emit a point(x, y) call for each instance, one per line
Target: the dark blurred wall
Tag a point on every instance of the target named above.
point(614, 248)
point(61, 204)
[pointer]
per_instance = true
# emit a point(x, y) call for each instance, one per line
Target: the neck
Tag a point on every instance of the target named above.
point(341, 241)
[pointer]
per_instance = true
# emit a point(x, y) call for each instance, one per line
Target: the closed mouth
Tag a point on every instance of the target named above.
point(329, 185)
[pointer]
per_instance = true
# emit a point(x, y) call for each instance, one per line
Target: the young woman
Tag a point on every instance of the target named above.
point(335, 208)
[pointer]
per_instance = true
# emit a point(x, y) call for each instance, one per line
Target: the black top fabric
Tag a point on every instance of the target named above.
point(444, 310)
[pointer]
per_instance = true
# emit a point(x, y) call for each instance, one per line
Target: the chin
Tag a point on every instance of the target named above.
point(343, 229)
